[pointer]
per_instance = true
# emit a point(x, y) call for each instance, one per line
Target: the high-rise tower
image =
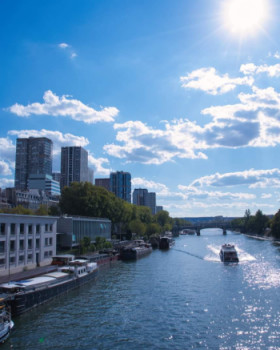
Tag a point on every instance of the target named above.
point(33, 156)
point(120, 185)
point(74, 165)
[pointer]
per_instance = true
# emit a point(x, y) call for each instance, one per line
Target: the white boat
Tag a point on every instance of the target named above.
point(6, 324)
point(228, 253)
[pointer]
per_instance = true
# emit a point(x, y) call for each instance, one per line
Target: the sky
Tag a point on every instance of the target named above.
point(184, 95)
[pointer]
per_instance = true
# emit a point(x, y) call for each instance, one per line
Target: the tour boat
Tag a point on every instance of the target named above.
point(27, 294)
point(6, 324)
point(228, 253)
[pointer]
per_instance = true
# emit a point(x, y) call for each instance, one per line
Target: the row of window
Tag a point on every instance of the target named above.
point(29, 244)
point(48, 228)
point(21, 258)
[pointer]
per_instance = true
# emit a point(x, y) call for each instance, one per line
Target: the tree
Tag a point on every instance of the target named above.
point(42, 210)
point(152, 228)
point(275, 225)
point(136, 226)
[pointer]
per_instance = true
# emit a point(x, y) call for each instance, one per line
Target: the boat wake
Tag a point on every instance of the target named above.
point(215, 256)
point(188, 253)
point(244, 256)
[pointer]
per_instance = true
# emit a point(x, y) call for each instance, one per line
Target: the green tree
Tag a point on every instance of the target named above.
point(275, 225)
point(138, 227)
point(42, 210)
point(153, 228)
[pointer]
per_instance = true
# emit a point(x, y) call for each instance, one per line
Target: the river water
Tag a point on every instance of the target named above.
point(184, 298)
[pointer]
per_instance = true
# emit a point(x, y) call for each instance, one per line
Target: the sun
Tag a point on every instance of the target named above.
point(245, 17)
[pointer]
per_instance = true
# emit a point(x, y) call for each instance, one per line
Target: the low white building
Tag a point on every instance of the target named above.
point(26, 241)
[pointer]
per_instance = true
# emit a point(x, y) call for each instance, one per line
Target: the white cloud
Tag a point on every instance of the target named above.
point(5, 168)
point(59, 139)
point(99, 165)
point(63, 45)
point(251, 69)
point(251, 178)
point(144, 144)
point(207, 79)
point(159, 188)
point(195, 193)
point(65, 106)
point(4, 183)
point(7, 149)
point(266, 195)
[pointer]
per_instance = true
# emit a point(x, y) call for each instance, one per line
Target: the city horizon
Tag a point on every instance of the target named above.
point(183, 96)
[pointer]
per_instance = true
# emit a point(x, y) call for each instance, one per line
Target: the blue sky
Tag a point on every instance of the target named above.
point(181, 94)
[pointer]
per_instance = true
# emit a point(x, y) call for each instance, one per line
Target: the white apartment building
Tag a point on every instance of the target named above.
point(26, 241)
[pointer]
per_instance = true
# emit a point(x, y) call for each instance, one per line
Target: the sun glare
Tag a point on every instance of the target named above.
point(245, 17)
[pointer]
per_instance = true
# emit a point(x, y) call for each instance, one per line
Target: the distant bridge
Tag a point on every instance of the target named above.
point(197, 227)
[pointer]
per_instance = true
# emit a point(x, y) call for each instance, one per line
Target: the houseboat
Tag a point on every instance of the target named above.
point(228, 253)
point(166, 243)
point(27, 294)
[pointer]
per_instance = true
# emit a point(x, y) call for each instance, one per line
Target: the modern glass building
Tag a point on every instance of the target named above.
point(74, 165)
point(71, 230)
point(120, 185)
point(33, 156)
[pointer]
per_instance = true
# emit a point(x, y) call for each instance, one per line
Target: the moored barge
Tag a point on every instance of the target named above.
point(27, 294)
point(135, 250)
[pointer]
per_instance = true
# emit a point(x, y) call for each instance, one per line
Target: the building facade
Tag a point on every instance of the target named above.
point(26, 241)
point(74, 165)
point(103, 183)
point(31, 199)
point(33, 156)
point(120, 185)
point(151, 202)
point(141, 196)
point(159, 208)
point(44, 183)
point(71, 230)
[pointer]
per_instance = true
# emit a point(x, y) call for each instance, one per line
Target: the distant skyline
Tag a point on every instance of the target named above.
point(182, 95)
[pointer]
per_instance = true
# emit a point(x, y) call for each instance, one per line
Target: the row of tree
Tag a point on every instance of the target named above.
point(259, 224)
point(86, 199)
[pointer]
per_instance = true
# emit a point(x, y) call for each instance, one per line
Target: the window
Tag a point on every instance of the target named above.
point(46, 241)
point(2, 247)
point(30, 244)
point(45, 254)
point(2, 228)
point(30, 229)
point(21, 259)
point(46, 227)
point(51, 227)
point(12, 246)
point(51, 241)
point(21, 244)
point(13, 229)
point(50, 253)
point(12, 260)
point(29, 257)
point(38, 228)
point(21, 228)
point(37, 243)
point(2, 262)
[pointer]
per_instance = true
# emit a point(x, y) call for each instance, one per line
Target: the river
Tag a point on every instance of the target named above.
point(184, 298)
